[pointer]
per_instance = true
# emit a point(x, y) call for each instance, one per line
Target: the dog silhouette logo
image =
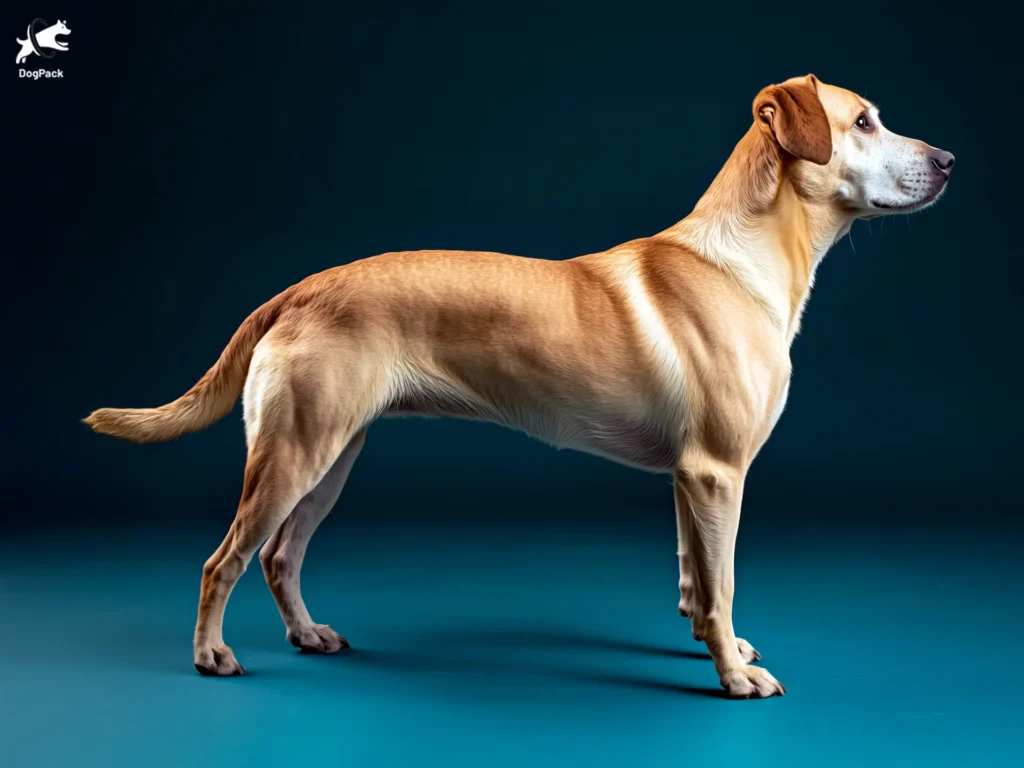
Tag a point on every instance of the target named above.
point(42, 40)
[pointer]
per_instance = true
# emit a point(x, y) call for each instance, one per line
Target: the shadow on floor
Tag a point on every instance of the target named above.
point(495, 656)
point(544, 639)
point(505, 671)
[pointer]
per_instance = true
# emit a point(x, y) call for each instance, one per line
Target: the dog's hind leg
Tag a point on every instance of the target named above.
point(304, 405)
point(280, 471)
point(282, 555)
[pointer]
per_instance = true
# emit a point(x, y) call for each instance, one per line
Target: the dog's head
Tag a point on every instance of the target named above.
point(843, 155)
point(60, 28)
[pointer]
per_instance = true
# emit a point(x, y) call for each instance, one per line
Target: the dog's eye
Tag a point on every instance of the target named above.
point(864, 122)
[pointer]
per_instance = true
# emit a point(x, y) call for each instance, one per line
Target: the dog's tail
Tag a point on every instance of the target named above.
point(212, 397)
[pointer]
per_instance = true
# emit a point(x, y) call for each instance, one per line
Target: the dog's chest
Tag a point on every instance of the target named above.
point(636, 441)
point(774, 406)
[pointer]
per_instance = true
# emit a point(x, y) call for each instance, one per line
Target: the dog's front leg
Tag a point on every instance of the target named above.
point(747, 652)
point(708, 497)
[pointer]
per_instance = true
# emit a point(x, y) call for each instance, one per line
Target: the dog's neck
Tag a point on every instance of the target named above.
point(755, 225)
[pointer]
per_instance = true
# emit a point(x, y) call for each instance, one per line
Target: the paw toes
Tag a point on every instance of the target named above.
point(318, 638)
point(747, 652)
point(217, 662)
point(752, 682)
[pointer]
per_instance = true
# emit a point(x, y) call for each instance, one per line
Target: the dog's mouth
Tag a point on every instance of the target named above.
point(888, 208)
point(900, 208)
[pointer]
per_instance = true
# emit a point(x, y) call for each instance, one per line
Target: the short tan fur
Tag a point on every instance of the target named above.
point(669, 353)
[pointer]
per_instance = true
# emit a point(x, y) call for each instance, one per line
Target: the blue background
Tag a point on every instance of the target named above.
point(506, 603)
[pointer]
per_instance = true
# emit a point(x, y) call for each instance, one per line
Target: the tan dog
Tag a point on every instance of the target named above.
point(669, 353)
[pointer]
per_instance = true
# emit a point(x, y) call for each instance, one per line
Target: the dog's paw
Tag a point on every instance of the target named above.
point(217, 661)
point(752, 683)
point(747, 652)
point(317, 638)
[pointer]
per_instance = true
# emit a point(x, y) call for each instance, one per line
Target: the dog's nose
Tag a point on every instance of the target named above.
point(943, 160)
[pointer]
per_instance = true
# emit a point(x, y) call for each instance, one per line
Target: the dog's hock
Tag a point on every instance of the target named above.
point(794, 117)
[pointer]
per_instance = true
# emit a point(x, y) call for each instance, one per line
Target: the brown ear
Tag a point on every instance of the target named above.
point(793, 115)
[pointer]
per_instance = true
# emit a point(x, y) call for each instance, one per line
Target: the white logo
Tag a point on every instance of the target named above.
point(40, 39)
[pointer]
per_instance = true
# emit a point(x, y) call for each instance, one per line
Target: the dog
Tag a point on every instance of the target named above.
point(669, 353)
point(46, 38)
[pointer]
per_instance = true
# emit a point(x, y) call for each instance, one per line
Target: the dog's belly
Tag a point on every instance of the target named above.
point(642, 442)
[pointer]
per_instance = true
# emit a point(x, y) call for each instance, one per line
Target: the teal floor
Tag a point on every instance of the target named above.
point(476, 646)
